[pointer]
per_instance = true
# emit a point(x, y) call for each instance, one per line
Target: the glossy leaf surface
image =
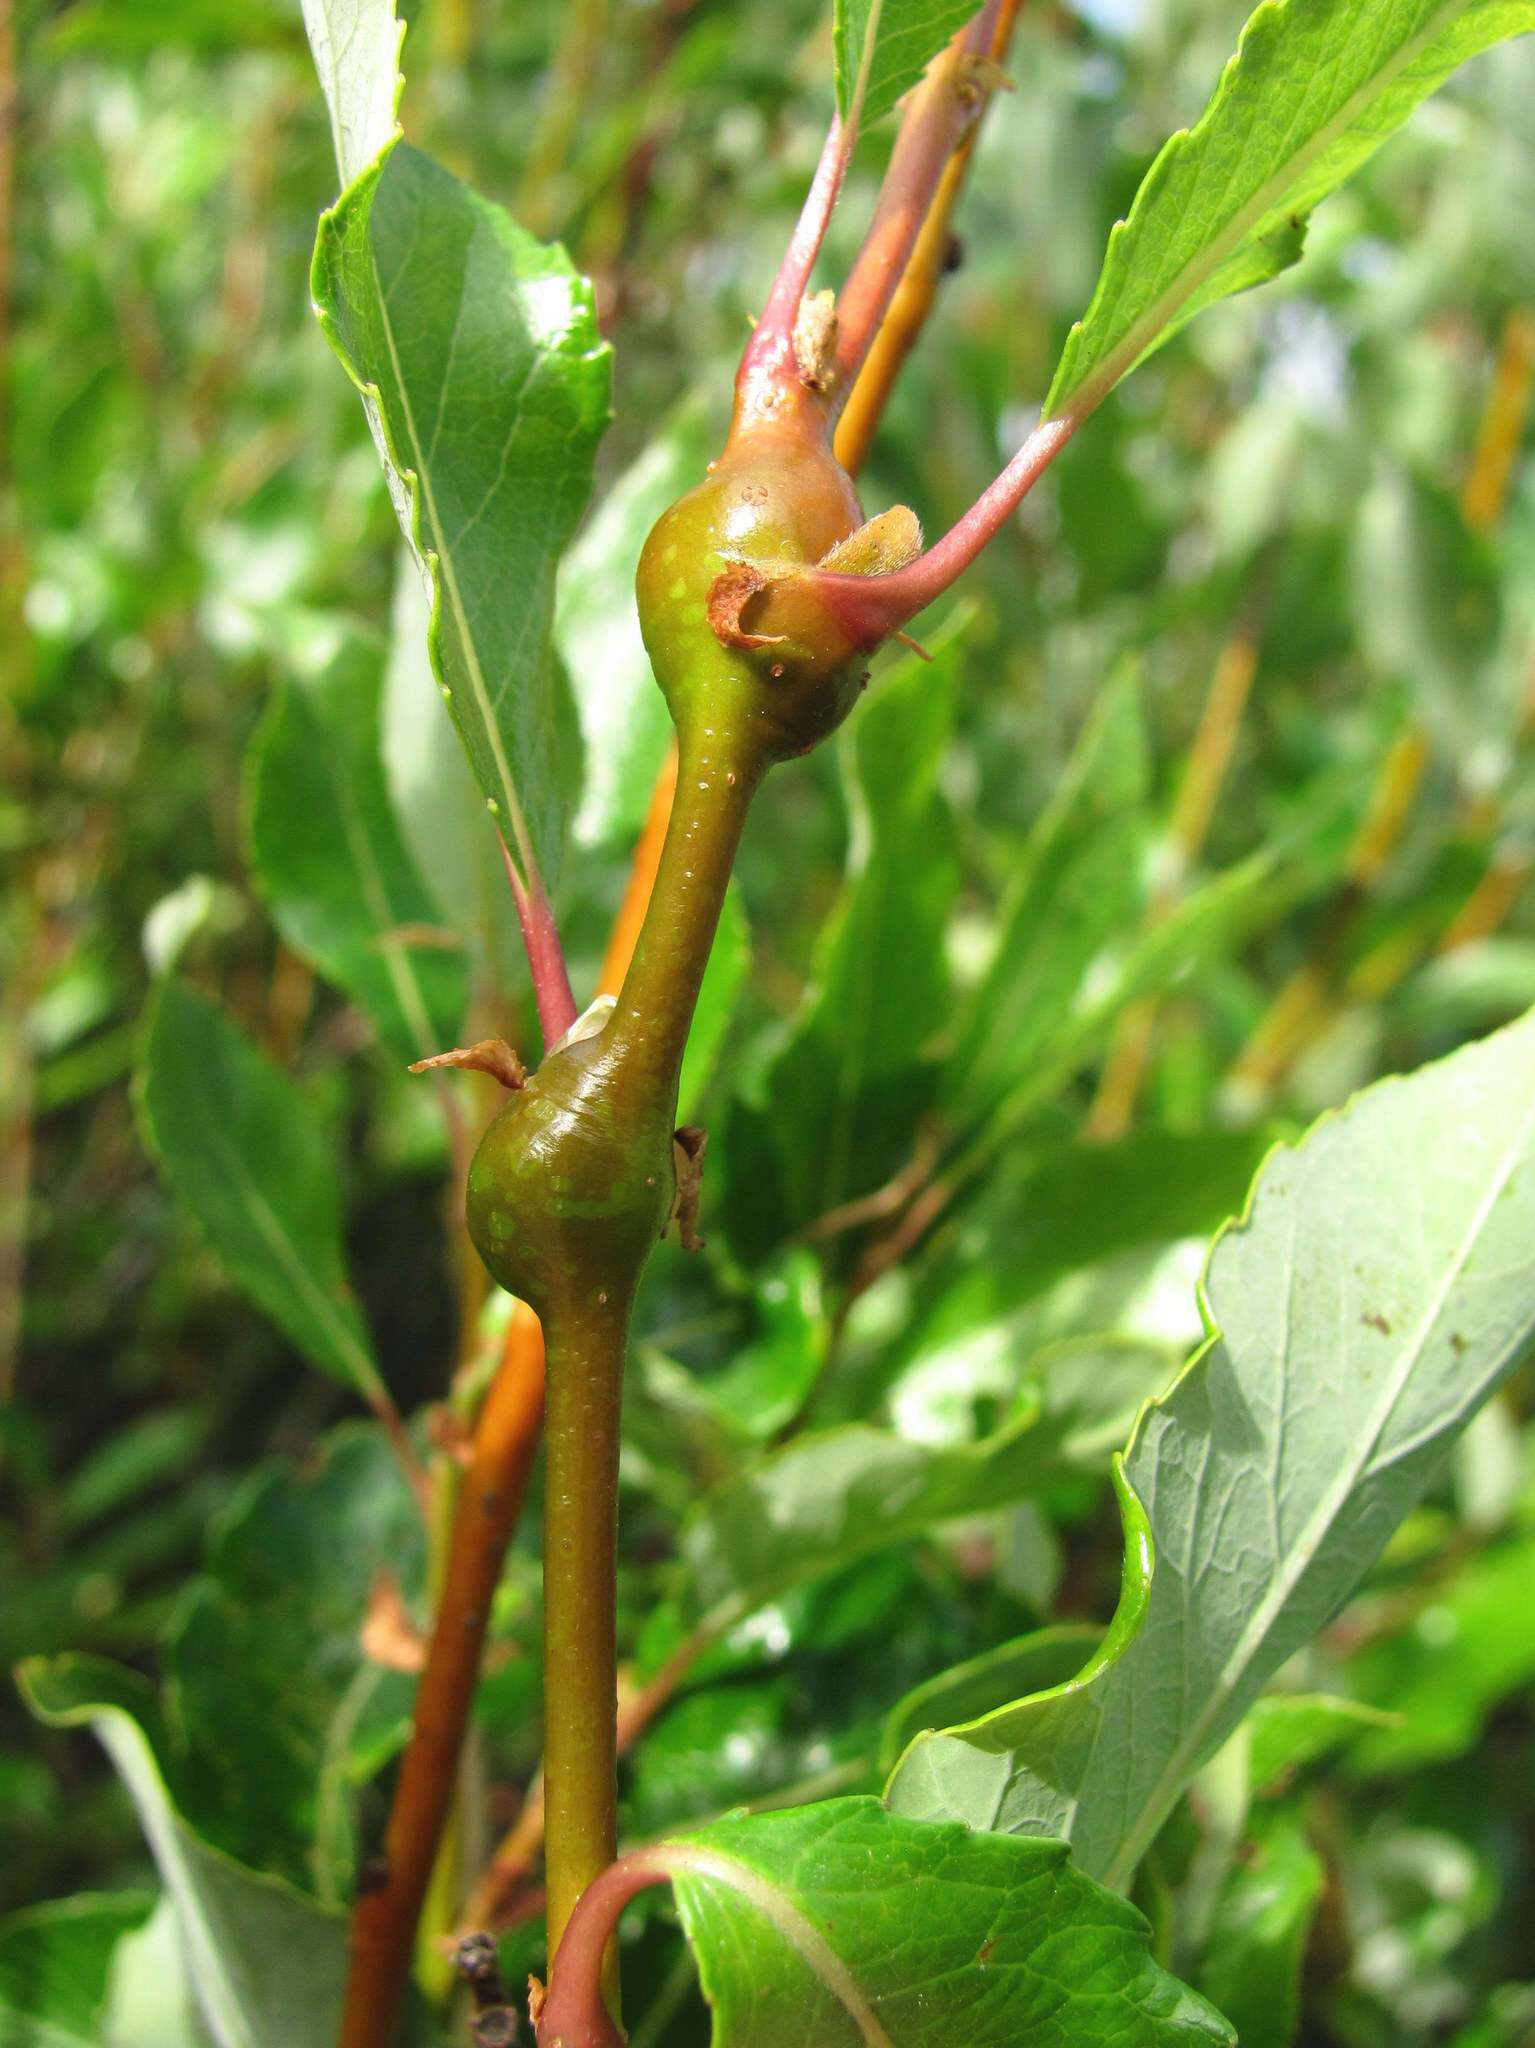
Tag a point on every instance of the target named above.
point(845, 1925)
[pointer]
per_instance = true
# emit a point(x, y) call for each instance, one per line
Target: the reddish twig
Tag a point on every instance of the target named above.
point(769, 373)
point(546, 957)
point(941, 110)
point(574, 2014)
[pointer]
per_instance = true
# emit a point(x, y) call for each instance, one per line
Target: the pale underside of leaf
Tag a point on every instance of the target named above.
point(1381, 1283)
point(356, 47)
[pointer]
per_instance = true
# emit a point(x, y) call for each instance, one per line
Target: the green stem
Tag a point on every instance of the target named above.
point(584, 1361)
point(717, 776)
point(634, 1074)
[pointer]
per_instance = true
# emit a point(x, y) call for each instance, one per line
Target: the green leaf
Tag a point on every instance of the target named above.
point(356, 46)
point(1314, 89)
point(280, 1715)
point(54, 1962)
point(266, 1964)
point(150, 2002)
point(847, 1091)
point(1380, 1285)
point(1078, 885)
point(332, 865)
point(624, 721)
point(847, 1926)
point(141, 1454)
point(1045, 1657)
point(241, 1149)
point(905, 35)
point(828, 1498)
point(476, 352)
point(1446, 1672)
point(1251, 1962)
point(1291, 1730)
point(433, 795)
point(1058, 1210)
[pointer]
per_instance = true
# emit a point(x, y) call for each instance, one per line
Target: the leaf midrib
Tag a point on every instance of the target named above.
point(125, 1743)
point(1095, 386)
point(278, 1238)
point(807, 1941)
point(444, 557)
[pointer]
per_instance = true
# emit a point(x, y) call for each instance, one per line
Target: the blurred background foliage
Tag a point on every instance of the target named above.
point(1302, 539)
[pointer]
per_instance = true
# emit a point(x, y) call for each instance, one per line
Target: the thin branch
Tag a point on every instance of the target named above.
point(489, 1501)
point(871, 608)
point(1502, 430)
point(642, 877)
point(574, 2014)
point(541, 937)
point(912, 301)
point(1208, 759)
point(769, 370)
point(941, 109)
point(498, 1899)
point(565, 97)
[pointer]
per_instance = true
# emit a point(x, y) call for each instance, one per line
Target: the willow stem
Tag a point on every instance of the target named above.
point(912, 301)
point(586, 1369)
point(586, 1329)
point(546, 958)
point(717, 777)
point(940, 111)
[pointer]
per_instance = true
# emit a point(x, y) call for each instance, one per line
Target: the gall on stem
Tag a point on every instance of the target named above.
point(759, 594)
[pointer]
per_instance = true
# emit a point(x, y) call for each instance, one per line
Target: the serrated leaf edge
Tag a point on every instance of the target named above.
point(1079, 399)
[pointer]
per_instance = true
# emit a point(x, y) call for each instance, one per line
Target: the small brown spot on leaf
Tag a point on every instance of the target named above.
point(1374, 1320)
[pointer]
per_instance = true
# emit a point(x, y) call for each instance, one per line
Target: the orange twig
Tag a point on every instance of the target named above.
point(489, 1501)
point(1209, 758)
point(1305, 1003)
point(1502, 429)
point(912, 302)
point(642, 876)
